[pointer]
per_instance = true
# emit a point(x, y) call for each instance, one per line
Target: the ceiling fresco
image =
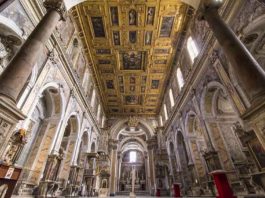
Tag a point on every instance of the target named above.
point(131, 45)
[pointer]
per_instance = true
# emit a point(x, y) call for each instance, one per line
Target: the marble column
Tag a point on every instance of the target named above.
point(146, 171)
point(19, 69)
point(249, 73)
point(151, 166)
point(113, 167)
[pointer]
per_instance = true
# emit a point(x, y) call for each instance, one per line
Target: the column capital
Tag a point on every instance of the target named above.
point(211, 4)
point(207, 5)
point(57, 5)
point(113, 144)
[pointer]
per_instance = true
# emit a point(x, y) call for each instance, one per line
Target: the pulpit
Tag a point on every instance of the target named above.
point(8, 179)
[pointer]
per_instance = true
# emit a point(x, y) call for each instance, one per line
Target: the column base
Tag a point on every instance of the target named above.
point(132, 195)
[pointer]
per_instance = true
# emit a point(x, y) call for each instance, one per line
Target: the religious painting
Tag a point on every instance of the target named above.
point(258, 152)
point(114, 16)
point(98, 26)
point(132, 36)
point(155, 84)
point(162, 51)
point(150, 16)
point(116, 37)
point(103, 62)
point(103, 51)
point(132, 88)
point(110, 84)
point(166, 27)
point(133, 60)
point(132, 17)
point(148, 37)
point(162, 62)
point(132, 80)
point(132, 100)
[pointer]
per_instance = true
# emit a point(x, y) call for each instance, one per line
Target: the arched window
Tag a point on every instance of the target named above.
point(192, 49)
point(132, 156)
point(98, 112)
point(171, 98)
point(161, 120)
point(93, 97)
point(180, 78)
point(165, 112)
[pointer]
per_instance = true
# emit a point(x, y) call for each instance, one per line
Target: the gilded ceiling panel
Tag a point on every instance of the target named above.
point(130, 44)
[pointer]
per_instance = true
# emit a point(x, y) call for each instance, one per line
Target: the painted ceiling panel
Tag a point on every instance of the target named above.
point(130, 44)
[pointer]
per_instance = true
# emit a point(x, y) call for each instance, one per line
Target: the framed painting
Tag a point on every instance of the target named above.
point(258, 152)
point(132, 36)
point(116, 38)
point(155, 84)
point(150, 16)
point(114, 16)
point(98, 26)
point(148, 37)
point(110, 84)
point(166, 27)
point(133, 60)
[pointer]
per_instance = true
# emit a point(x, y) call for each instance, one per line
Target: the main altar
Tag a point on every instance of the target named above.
point(126, 174)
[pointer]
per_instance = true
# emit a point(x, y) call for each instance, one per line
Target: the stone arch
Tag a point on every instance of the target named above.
point(80, 156)
point(42, 126)
point(220, 115)
point(116, 128)
point(93, 147)
point(186, 169)
point(197, 142)
point(10, 41)
point(173, 162)
point(215, 99)
point(127, 140)
point(68, 144)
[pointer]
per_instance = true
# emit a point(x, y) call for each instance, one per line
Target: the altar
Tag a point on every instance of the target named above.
point(125, 181)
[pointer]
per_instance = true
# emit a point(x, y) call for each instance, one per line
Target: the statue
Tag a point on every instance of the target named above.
point(132, 194)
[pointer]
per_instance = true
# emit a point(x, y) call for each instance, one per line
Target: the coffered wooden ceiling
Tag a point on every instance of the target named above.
point(131, 45)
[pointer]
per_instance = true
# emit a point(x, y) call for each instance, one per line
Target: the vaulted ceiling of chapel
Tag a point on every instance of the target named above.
point(131, 45)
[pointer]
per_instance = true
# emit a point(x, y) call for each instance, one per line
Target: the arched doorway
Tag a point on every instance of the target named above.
point(186, 169)
point(220, 116)
point(132, 136)
point(42, 126)
point(196, 138)
point(67, 147)
point(132, 160)
point(173, 163)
